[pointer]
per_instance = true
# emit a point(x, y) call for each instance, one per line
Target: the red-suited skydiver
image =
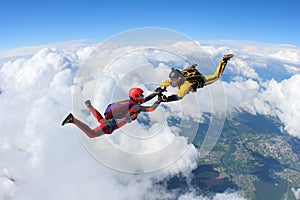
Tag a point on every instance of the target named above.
point(116, 114)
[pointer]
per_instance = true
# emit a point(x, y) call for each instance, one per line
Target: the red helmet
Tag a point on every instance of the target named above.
point(136, 94)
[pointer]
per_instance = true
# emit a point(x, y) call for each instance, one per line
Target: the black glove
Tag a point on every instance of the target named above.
point(160, 90)
point(163, 98)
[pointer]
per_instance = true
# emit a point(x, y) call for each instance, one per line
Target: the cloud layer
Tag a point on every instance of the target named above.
point(41, 159)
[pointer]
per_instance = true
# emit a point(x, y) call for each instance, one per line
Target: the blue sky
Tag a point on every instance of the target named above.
point(29, 22)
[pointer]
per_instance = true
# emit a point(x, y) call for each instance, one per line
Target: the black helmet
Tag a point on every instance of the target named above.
point(175, 73)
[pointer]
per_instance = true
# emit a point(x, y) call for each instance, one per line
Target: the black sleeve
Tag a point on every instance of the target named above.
point(173, 97)
point(151, 96)
point(149, 108)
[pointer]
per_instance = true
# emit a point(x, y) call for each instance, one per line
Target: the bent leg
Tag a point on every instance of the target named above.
point(216, 76)
point(96, 113)
point(92, 133)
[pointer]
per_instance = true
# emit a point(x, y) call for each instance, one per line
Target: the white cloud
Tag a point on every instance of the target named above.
point(296, 193)
point(241, 67)
point(292, 69)
point(283, 100)
point(131, 69)
point(31, 50)
point(268, 98)
point(42, 160)
point(218, 196)
point(290, 55)
point(240, 93)
point(229, 196)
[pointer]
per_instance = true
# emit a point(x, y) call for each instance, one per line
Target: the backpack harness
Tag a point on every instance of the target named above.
point(118, 109)
point(192, 75)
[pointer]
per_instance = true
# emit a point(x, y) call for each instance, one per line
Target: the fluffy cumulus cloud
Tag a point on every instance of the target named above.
point(275, 98)
point(39, 159)
point(287, 54)
point(282, 100)
point(242, 68)
point(250, 90)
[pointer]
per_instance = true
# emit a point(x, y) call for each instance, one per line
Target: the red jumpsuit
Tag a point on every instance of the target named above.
point(107, 126)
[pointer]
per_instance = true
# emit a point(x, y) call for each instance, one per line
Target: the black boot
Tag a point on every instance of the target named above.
point(69, 119)
point(88, 103)
point(227, 57)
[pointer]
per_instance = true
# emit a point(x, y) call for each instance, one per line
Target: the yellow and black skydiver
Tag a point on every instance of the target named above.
point(190, 79)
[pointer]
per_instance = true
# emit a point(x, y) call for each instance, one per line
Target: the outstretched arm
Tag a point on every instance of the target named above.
point(172, 97)
point(149, 108)
point(136, 109)
point(165, 83)
point(183, 90)
point(158, 91)
point(151, 96)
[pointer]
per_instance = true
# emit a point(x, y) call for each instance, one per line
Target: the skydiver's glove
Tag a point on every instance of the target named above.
point(160, 90)
point(163, 98)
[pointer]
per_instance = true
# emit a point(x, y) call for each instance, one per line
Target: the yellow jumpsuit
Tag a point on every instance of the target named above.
point(185, 87)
